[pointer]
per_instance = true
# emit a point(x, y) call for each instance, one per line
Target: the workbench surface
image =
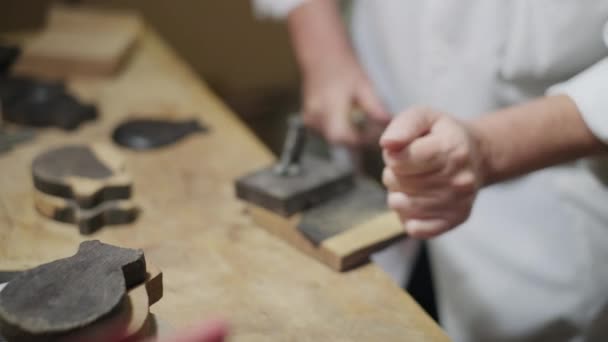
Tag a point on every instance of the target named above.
point(216, 263)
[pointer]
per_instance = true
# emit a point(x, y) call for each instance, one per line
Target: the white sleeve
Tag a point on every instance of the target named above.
point(589, 90)
point(277, 9)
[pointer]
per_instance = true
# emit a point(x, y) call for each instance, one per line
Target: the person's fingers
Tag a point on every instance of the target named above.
point(407, 127)
point(337, 126)
point(426, 228)
point(311, 115)
point(390, 180)
point(369, 102)
point(423, 155)
point(414, 184)
point(417, 207)
point(213, 331)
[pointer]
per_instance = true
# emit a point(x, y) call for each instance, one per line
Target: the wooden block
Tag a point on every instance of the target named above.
point(60, 297)
point(88, 221)
point(317, 182)
point(89, 175)
point(128, 323)
point(340, 248)
point(80, 42)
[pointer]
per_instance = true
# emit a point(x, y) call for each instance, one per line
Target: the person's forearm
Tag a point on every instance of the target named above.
point(528, 137)
point(317, 33)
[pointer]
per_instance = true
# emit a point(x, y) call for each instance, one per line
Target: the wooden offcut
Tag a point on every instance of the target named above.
point(87, 174)
point(65, 295)
point(80, 42)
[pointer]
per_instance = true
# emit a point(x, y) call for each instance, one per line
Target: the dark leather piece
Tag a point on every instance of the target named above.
point(36, 103)
point(8, 56)
point(144, 134)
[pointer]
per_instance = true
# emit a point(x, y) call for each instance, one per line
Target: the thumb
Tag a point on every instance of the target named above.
point(407, 127)
point(369, 102)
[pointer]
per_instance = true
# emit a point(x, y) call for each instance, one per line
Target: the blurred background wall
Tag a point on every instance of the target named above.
point(248, 62)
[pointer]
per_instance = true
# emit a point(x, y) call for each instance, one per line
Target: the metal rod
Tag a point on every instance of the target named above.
point(289, 164)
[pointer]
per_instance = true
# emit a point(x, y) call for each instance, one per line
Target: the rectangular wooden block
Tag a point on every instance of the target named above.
point(340, 252)
point(80, 42)
point(317, 182)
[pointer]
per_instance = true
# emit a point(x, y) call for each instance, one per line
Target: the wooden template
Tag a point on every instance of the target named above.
point(80, 42)
point(340, 231)
point(88, 221)
point(129, 323)
point(89, 175)
point(69, 294)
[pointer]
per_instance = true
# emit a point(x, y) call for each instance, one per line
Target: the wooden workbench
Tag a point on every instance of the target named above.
point(215, 262)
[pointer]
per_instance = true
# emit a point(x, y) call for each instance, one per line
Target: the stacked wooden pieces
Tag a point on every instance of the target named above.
point(101, 293)
point(84, 185)
point(324, 211)
point(80, 42)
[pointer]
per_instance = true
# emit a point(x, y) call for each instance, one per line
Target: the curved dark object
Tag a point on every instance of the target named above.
point(68, 294)
point(145, 134)
point(40, 104)
point(8, 56)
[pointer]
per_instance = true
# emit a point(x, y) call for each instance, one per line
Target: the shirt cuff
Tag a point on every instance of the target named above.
point(277, 9)
point(589, 90)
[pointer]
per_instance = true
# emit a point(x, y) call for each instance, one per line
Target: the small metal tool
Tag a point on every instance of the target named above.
point(289, 164)
point(298, 181)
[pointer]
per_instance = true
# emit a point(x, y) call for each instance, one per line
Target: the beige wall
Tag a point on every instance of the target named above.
point(220, 38)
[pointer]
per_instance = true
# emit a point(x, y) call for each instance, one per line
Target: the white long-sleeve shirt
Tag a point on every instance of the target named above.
point(529, 264)
point(539, 43)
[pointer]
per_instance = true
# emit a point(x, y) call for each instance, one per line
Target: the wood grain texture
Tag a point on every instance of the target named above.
point(65, 295)
point(216, 262)
point(80, 42)
point(89, 175)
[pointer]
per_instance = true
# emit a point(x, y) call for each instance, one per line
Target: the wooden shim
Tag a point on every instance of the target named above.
point(60, 297)
point(89, 175)
point(88, 221)
point(364, 201)
point(80, 41)
point(340, 252)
